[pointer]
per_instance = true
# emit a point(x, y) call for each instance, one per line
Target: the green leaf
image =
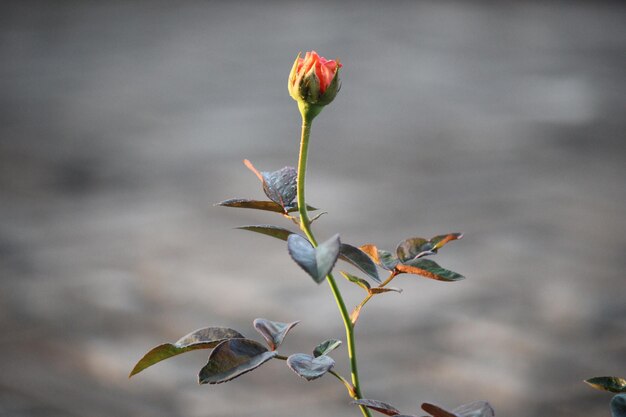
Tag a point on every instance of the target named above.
point(608, 383)
point(206, 338)
point(317, 262)
point(358, 281)
point(379, 406)
point(280, 186)
point(233, 358)
point(326, 347)
point(382, 258)
point(429, 269)
point(269, 230)
point(360, 259)
point(273, 331)
point(618, 405)
point(309, 367)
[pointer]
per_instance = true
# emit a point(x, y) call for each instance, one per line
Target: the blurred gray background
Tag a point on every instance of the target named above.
point(123, 122)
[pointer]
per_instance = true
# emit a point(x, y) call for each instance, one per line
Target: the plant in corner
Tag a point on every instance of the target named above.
point(612, 384)
point(313, 83)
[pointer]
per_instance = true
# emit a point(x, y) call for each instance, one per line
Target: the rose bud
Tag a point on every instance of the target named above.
point(314, 81)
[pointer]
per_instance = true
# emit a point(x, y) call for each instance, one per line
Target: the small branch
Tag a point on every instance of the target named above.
point(345, 382)
point(391, 276)
point(357, 310)
point(293, 219)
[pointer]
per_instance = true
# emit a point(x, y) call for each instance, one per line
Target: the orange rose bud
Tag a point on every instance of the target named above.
point(314, 81)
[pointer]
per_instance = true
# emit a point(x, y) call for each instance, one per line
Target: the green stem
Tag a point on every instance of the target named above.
point(305, 222)
point(305, 225)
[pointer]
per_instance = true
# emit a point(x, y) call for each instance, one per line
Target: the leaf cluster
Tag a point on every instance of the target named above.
point(612, 384)
point(234, 355)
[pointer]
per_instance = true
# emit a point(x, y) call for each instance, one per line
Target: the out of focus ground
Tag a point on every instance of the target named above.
point(123, 122)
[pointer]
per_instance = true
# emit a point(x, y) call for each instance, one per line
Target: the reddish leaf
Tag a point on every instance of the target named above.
point(356, 280)
point(380, 290)
point(379, 406)
point(382, 258)
point(429, 269)
point(436, 411)
point(439, 241)
point(252, 204)
point(417, 247)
